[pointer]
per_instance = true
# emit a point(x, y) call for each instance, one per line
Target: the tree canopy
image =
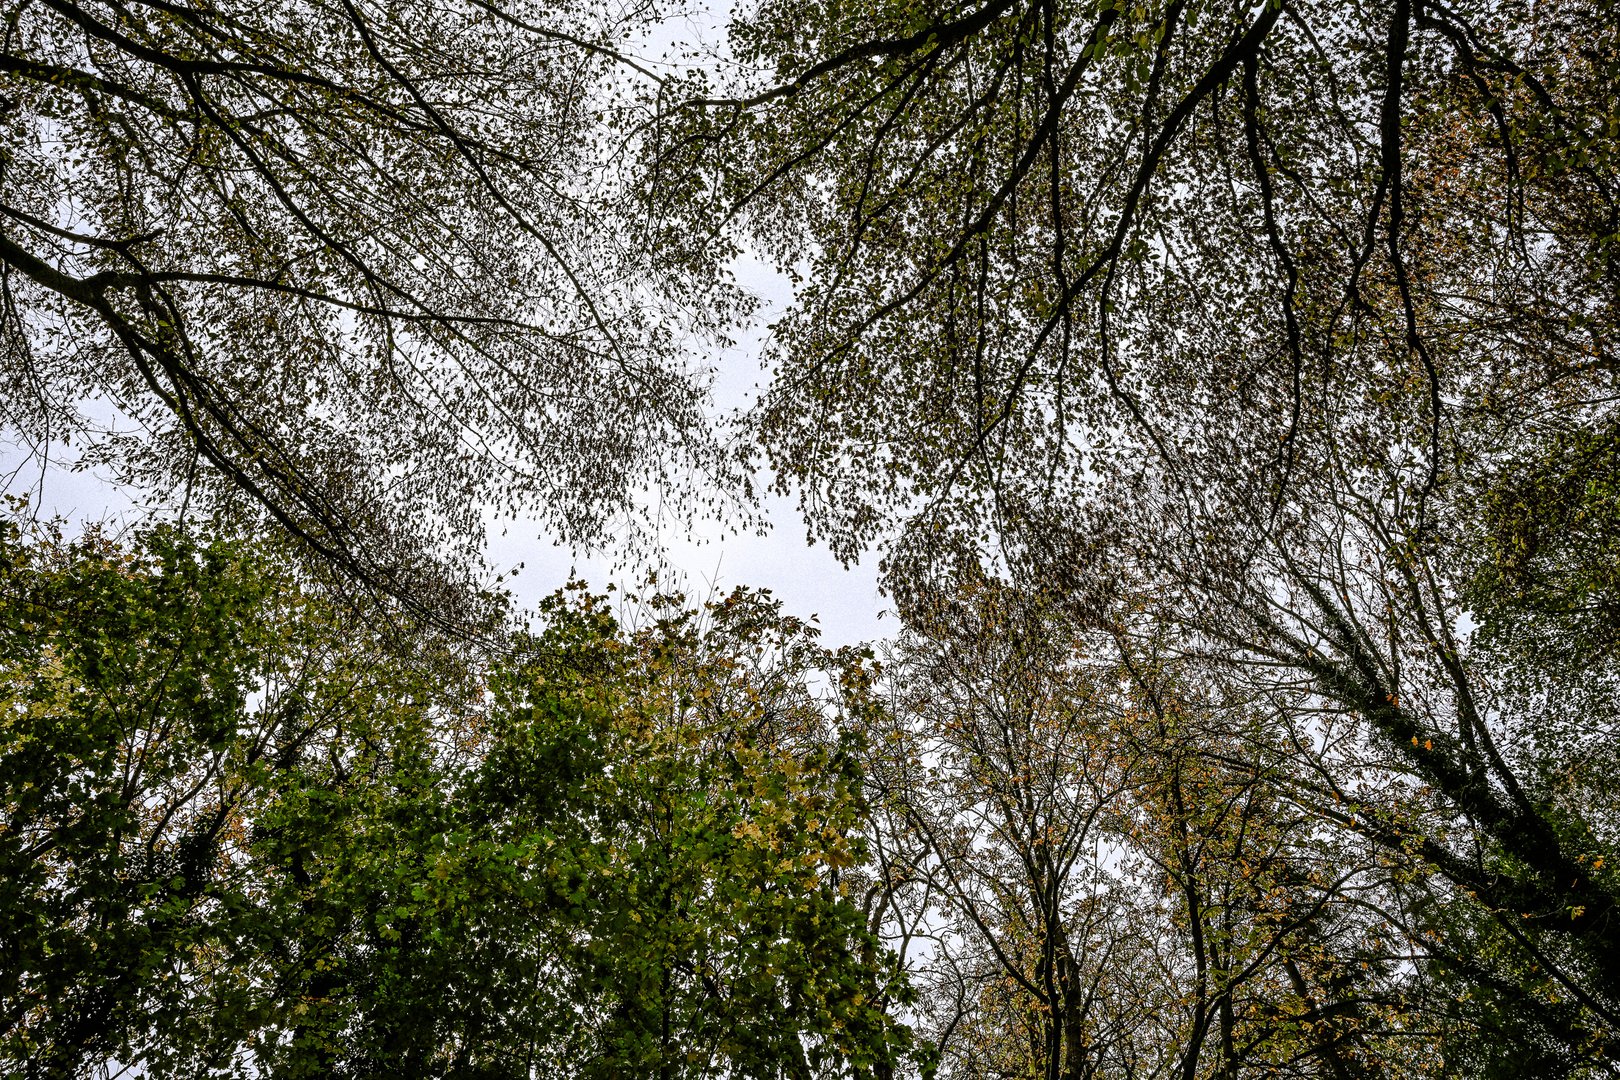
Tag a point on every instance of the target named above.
point(1228, 390)
point(242, 837)
point(366, 270)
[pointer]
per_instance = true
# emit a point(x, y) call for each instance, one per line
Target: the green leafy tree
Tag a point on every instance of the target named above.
point(693, 809)
point(152, 690)
point(638, 875)
point(248, 835)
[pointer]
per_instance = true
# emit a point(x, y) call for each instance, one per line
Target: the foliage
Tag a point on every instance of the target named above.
point(246, 838)
point(1273, 341)
point(359, 269)
point(696, 844)
point(126, 681)
point(1552, 546)
point(1229, 387)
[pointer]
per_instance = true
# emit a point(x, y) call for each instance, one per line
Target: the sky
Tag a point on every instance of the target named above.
point(710, 561)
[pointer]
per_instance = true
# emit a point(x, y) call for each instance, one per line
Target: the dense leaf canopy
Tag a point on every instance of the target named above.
point(242, 837)
point(1229, 391)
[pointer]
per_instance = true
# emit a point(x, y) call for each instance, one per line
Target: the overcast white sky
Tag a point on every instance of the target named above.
point(808, 579)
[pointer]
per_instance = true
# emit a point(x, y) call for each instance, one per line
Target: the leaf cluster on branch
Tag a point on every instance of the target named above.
point(365, 271)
